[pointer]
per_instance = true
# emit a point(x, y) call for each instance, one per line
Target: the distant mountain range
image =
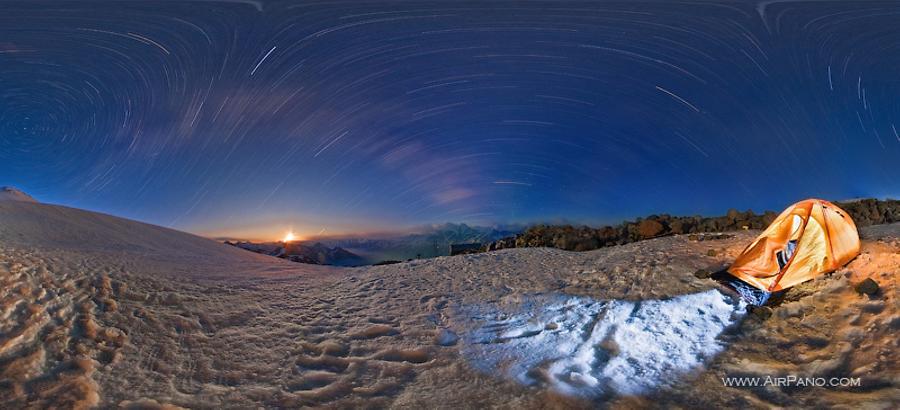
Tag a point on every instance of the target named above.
point(435, 240)
point(317, 253)
point(428, 242)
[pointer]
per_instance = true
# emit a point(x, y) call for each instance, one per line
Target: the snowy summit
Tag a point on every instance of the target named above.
point(9, 193)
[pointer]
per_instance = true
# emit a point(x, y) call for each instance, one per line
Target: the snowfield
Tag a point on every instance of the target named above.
point(591, 348)
point(99, 311)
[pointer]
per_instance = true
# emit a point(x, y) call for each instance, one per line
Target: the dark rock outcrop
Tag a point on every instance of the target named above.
point(650, 228)
point(464, 248)
point(867, 212)
point(864, 212)
point(868, 287)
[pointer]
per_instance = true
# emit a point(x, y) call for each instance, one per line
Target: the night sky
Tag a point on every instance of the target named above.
point(244, 117)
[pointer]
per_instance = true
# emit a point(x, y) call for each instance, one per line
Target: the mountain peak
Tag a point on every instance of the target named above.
point(9, 193)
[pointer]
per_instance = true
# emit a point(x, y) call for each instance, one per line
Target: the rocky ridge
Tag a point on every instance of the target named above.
point(864, 212)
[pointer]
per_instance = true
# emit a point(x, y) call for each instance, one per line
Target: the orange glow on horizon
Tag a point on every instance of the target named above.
point(266, 231)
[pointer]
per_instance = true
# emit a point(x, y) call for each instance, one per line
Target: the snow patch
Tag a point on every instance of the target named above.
point(586, 347)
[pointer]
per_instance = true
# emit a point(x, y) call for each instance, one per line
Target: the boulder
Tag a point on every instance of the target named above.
point(868, 287)
point(649, 228)
point(732, 215)
point(761, 312)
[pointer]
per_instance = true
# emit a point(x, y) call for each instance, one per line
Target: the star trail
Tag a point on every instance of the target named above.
point(243, 117)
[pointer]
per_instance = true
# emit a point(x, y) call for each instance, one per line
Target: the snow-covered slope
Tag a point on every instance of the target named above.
point(31, 224)
point(592, 348)
point(98, 311)
point(9, 193)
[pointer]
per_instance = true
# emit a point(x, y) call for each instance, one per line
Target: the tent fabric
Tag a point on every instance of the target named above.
point(825, 236)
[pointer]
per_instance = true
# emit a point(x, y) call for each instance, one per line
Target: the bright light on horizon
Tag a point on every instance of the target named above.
point(289, 237)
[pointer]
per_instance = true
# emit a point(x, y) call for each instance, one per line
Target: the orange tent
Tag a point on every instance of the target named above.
point(808, 239)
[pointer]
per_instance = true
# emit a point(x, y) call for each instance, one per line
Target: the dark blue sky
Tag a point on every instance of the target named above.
point(243, 117)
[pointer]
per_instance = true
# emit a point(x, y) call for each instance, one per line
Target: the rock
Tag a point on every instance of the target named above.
point(649, 228)
point(698, 228)
point(711, 252)
point(894, 322)
point(445, 337)
point(702, 274)
point(761, 312)
point(872, 212)
point(868, 287)
point(875, 307)
point(732, 215)
point(816, 341)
